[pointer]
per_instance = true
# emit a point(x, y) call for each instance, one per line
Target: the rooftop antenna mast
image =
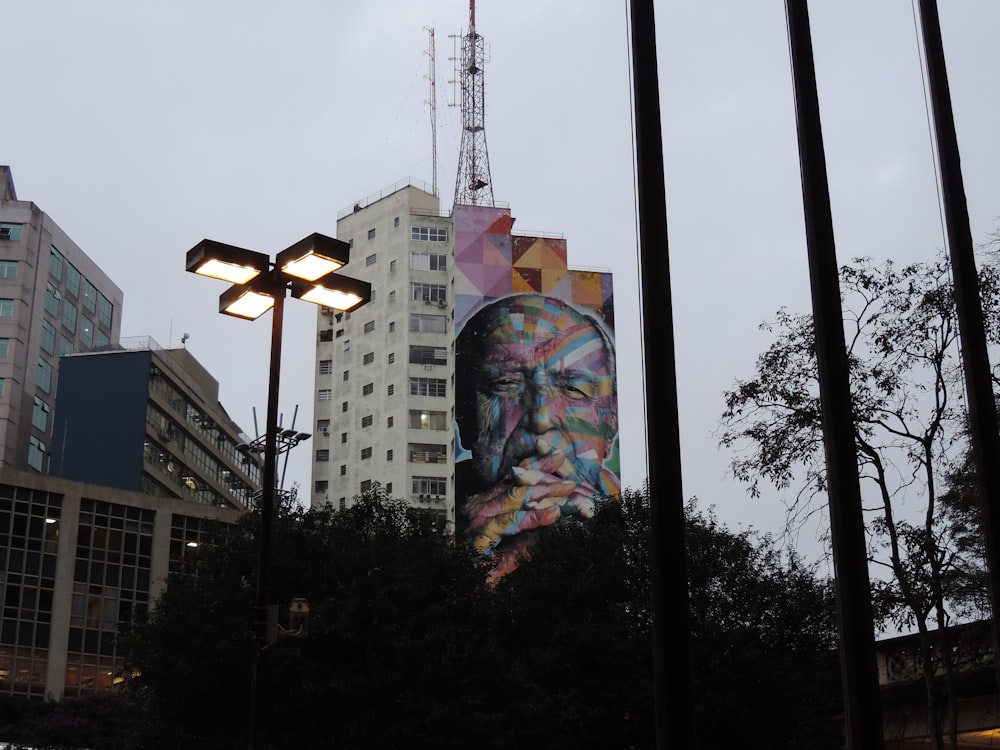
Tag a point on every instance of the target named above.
point(473, 186)
point(432, 103)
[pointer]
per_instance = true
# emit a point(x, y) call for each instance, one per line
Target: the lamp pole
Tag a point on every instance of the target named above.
point(309, 269)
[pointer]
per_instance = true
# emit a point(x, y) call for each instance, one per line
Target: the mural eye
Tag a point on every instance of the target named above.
point(507, 385)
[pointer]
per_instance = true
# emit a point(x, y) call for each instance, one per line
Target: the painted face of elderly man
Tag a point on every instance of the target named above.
point(536, 406)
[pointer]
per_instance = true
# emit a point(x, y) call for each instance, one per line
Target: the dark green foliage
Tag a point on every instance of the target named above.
point(410, 647)
point(90, 721)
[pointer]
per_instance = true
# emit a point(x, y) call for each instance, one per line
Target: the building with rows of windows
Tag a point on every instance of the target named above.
point(385, 396)
point(383, 404)
point(53, 300)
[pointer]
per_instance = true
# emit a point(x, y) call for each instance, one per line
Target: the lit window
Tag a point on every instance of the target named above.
point(322, 455)
point(325, 366)
point(324, 394)
point(366, 453)
point(428, 420)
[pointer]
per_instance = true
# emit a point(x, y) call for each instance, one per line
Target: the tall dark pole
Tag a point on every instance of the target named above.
point(847, 530)
point(266, 518)
point(975, 360)
point(672, 674)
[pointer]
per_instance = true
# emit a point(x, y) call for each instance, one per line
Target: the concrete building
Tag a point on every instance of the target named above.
point(54, 300)
point(147, 419)
point(383, 399)
point(77, 561)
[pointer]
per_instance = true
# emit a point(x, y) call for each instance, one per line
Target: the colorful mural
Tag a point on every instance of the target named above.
point(535, 389)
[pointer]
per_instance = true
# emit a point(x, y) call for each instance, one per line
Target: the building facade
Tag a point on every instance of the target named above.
point(77, 562)
point(147, 419)
point(385, 398)
point(54, 300)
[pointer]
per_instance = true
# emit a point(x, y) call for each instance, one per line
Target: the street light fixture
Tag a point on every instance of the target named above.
point(307, 269)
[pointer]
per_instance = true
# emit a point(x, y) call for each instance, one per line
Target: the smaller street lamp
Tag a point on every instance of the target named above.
point(309, 270)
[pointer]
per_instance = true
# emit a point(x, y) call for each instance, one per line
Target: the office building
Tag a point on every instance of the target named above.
point(147, 419)
point(54, 300)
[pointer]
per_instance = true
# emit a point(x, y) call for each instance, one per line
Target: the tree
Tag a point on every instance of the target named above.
point(909, 412)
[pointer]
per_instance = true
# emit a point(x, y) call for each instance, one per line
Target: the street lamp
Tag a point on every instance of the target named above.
point(309, 270)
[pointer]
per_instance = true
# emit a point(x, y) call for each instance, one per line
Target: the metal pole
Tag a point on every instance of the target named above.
point(266, 518)
point(672, 671)
point(862, 703)
point(975, 360)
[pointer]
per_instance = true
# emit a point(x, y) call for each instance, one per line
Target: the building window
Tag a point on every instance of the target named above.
point(366, 453)
point(325, 394)
point(72, 280)
point(391, 358)
point(428, 261)
point(390, 389)
point(392, 326)
point(428, 420)
point(389, 421)
point(368, 358)
point(427, 453)
point(36, 453)
point(343, 407)
point(51, 301)
point(9, 231)
point(40, 415)
point(436, 486)
point(323, 425)
point(65, 346)
point(373, 295)
point(89, 297)
point(395, 222)
point(428, 355)
point(371, 234)
point(321, 485)
point(392, 266)
point(428, 323)
point(326, 335)
point(428, 387)
point(101, 341)
point(48, 342)
point(343, 470)
point(340, 332)
point(86, 332)
point(322, 455)
point(368, 389)
point(8, 269)
point(343, 437)
point(347, 344)
point(44, 375)
point(366, 421)
point(342, 503)
point(56, 263)
point(105, 310)
point(392, 296)
point(69, 316)
point(6, 308)
point(369, 326)
point(347, 375)
point(429, 234)
point(429, 292)
point(3, 386)
point(366, 486)
point(388, 488)
point(370, 260)
point(388, 455)
point(326, 367)
point(5, 344)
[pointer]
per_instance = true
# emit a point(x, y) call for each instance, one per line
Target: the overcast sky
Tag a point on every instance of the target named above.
point(143, 127)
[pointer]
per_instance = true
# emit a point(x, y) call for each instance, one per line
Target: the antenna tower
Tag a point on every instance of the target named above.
point(432, 103)
point(473, 186)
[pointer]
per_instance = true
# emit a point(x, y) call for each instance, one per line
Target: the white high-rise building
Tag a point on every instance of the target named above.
point(384, 397)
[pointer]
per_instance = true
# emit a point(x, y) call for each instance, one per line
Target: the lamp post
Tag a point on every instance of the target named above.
point(309, 270)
